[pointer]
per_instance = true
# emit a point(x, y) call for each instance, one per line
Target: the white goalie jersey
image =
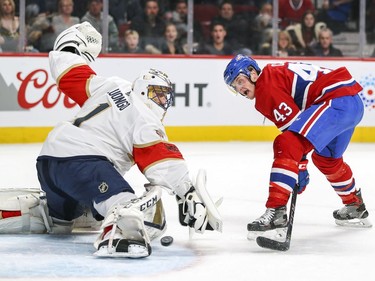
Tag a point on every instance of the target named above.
point(113, 122)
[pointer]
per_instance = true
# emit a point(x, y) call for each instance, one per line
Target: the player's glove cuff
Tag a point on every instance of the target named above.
point(303, 175)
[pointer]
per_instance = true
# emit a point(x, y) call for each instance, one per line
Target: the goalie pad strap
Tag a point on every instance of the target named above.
point(25, 211)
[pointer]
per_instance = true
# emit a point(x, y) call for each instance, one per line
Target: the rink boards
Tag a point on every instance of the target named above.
point(203, 109)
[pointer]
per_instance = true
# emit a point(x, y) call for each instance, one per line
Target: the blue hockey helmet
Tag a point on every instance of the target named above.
point(240, 64)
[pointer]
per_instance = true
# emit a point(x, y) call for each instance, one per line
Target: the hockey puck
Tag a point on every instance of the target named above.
point(166, 240)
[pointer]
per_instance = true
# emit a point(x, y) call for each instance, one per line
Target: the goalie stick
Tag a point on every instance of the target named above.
point(268, 243)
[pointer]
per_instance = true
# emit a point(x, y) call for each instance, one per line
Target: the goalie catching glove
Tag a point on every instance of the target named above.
point(197, 210)
point(82, 39)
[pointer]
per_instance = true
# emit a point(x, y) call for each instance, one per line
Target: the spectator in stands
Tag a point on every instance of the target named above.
point(44, 6)
point(291, 11)
point(236, 25)
point(51, 6)
point(336, 14)
point(261, 27)
point(131, 43)
point(217, 44)
point(306, 33)
point(37, 24)
point(123, 12)
point(285, 46)
point(34, 24)
point(170, 44)
point(9, 26)
point(150, 25)
point(179, 17)
point(94, 15)
point(324, 47)
point(57, 23)
point(80, 8)
point(64, 19)
point(165, 7)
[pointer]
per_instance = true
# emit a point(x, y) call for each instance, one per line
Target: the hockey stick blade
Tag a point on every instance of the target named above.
point(268, 243)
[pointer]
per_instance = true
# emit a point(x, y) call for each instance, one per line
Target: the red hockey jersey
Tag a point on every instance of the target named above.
point(284, 90)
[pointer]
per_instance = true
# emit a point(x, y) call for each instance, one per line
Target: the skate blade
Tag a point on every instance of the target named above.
point(355, 223)
point(278, 234)
point(134, 251)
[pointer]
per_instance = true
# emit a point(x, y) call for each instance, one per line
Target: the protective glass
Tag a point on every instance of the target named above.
point(161, 95)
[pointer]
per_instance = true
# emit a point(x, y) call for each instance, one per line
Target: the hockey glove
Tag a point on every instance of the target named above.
point(303, 175)
point(193, 212)
point(82, 39)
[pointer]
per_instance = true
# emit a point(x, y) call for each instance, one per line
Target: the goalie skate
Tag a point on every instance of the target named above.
point(123, 235)
point(129, 228)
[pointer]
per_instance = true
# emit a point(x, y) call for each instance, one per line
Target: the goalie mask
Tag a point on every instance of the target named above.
point(239, 65)
point(154, 88)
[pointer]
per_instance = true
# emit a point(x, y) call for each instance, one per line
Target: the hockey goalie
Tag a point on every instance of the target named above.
point(82, 164)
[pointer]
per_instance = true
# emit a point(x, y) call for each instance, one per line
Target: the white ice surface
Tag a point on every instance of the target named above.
point(238, 172)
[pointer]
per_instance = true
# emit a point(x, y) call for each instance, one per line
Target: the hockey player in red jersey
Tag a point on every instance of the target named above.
point(83, 161)
point(316, 110)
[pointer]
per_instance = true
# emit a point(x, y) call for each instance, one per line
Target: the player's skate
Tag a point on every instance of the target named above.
point(272, 219)
point(354, 214)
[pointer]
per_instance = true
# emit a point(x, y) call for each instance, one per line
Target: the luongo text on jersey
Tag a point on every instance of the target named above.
point(119, 99)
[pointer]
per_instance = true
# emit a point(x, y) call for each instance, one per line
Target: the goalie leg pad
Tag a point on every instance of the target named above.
point(154, 220)
point(124, 234)
point(151, 205)
point(27, 215)
point(128, 228)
